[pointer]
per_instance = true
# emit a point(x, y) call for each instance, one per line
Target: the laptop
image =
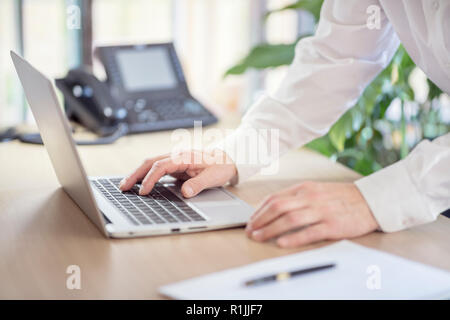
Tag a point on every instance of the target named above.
point(121, 214)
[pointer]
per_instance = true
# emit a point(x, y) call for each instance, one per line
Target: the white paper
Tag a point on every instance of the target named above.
point(360, 273)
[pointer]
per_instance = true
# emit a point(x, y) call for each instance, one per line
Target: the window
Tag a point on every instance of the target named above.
point(11, 104)
point(45, 43)
point(131, 21)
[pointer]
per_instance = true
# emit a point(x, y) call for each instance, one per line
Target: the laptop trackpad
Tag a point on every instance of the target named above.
point(211, 197)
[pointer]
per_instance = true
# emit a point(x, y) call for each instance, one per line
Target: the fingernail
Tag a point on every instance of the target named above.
point(257, 234)
point(141, 191)
point(121, 183)
point(188, 191)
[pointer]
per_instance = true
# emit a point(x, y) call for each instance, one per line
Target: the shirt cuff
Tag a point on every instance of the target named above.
point(395, 201)
point(236, 147)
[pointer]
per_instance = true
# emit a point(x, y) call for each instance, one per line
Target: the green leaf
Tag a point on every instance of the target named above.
point(364, 166)
point(357, 117)
point(322, 145)
point(265, 56)
point(237, 69)
point(349, 153)
point(381, 107)
point(341, 130)
point(312, 6)
point(404, 65)
point(370, 97)
point(434, 91)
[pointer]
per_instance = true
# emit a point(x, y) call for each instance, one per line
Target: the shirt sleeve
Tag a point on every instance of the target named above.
point(412, 191)
point(329, 73)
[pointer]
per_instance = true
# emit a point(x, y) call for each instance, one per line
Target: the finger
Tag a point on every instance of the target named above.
point(287, 222)
point(159, 169)
point(291, 191)
point(208, 178)
point(275, 208)
point(314, 233)
point(193, 172)
point(194, 158)
point(298, 189)
point(139, 173)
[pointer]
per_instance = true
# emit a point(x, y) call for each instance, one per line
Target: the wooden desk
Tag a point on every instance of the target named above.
point(42, 231)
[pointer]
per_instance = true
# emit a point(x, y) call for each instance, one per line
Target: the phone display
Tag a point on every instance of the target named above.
point(148, 69)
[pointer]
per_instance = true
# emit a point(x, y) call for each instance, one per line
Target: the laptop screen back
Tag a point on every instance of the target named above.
point(57, 138)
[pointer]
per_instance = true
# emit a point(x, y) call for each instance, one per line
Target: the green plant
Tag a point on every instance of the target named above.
point(274, 55)
point(363, 138)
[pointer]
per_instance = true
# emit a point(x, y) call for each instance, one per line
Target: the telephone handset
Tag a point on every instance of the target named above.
point(89, 102)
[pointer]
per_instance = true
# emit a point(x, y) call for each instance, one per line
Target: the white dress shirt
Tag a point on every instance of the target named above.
point(329, 73)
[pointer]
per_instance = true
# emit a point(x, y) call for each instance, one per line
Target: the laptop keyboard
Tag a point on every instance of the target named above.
point(160, 206)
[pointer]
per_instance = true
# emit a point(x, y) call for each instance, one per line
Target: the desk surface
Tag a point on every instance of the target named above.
point(43, 231)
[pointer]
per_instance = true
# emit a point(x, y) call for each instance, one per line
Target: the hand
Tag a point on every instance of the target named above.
point(200, 169)
point(311, 212)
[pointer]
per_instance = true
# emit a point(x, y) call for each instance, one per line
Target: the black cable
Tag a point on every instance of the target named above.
point(8, 134)
point(122, 129)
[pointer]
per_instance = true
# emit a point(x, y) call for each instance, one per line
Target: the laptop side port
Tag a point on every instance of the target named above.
point(175, 230)
point(200, 227)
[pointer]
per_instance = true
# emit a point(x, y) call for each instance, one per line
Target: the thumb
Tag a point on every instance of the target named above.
point(195, 185)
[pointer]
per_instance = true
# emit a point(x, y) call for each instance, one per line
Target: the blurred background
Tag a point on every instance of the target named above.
point(210, 36)
point(231, 51)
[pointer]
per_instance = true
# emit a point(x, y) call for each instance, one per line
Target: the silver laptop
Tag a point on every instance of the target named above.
point(121, 214)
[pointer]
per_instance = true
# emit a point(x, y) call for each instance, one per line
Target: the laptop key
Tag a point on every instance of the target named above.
point(171, 219)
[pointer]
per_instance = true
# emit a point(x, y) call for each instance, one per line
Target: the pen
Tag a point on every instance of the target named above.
point(287, 275)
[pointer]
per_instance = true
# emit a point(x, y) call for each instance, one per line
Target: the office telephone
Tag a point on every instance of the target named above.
point(145, 91)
